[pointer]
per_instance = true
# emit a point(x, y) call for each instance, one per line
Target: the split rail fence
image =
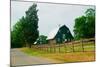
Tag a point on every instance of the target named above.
point(73, 46)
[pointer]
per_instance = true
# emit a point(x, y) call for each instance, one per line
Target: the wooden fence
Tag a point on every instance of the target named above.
point(73, 46)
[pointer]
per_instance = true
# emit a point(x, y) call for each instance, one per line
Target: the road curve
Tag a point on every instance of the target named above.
point(19, 58)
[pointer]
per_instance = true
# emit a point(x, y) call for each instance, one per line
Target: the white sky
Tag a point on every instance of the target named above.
point(50, 15)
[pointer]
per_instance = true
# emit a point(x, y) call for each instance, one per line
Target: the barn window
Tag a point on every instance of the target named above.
point(68, 31)
point(64, 37)
point(65, 40)
point(58, 40)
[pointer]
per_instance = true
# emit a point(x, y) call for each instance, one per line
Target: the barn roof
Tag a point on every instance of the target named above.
point(36, 41)
point(53, 33)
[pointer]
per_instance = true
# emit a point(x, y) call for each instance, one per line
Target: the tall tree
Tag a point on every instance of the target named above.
point(25, 31)
point(90, 20)
point(31, 32)
point(85, 25)
point(90, 12)
point(17, 38)
point(80, 27)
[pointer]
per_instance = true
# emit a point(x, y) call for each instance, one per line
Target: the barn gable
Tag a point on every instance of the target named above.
point(60, 34)
point(53, 33)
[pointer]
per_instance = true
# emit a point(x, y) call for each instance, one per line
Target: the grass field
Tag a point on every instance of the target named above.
point(69, 56)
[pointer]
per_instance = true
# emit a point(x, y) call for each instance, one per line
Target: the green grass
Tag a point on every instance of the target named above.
point(65, 56)
point(32, 52)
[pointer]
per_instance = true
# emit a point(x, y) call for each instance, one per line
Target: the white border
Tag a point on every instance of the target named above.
point(5, 33)
point(85, 2)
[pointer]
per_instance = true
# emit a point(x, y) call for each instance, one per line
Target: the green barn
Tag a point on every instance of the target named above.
point(60, 35)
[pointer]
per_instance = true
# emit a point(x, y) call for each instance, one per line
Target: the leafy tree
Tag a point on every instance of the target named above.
point(80, 27)
point(31, 32)
point(42, 39)
point(85, 25)
point(25, 31)
point(90, 20)
point(17, 38)
point(90, 12)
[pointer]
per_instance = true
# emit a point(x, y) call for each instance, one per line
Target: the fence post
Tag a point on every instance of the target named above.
point(37, 46)
point(59, 47)
point(82, 45)
point(41, 48)
point(65, 47)
point(73, 47)
point(54, 48)
point(50, 47)
point(47, 48)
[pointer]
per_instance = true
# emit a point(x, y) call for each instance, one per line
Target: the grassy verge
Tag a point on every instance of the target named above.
point(63, 57)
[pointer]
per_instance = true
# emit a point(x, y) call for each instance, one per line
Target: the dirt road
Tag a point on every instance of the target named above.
point(19, 58)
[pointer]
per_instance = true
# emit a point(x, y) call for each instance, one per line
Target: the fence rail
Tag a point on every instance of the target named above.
point(74, 46)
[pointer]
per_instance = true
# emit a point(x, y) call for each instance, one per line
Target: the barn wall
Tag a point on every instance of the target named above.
point(52, 42)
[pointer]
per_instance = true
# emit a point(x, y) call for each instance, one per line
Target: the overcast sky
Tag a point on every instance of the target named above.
point(50, 15)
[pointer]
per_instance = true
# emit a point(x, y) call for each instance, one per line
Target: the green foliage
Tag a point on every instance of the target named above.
point(31, 30)
point(80, 27)
point(85, 25)
point(42, 39)
point(90, 12)
point(25, 31)
point(17, 37)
